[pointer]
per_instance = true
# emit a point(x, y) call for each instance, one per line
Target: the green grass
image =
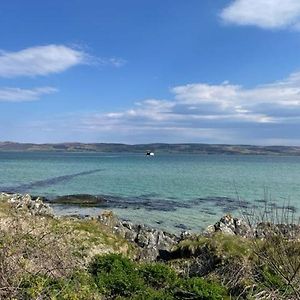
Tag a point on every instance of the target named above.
point(219, 244)
point(116, 276)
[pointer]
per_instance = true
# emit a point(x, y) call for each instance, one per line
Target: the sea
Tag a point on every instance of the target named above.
point(173, 192)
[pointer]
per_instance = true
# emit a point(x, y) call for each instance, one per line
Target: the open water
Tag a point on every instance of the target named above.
point(169, 191)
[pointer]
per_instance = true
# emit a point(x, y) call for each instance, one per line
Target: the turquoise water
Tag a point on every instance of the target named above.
point(168, 191)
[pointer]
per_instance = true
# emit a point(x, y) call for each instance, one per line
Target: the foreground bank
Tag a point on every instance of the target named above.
point(48, 257)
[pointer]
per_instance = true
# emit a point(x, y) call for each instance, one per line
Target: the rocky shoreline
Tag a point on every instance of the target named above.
point(234, 258)
point(155, 244)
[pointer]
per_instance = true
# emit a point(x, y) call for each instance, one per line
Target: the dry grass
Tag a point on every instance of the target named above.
point(32, 246)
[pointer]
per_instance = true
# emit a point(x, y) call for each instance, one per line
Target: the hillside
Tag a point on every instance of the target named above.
point(157, 147)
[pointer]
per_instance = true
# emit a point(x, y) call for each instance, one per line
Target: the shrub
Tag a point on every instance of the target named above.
point(79, 286)
point(152, 294)
point(200, 289)
point(158, 275)
point(116, 275)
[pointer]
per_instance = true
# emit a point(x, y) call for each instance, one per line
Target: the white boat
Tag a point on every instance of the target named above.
point(149, 153)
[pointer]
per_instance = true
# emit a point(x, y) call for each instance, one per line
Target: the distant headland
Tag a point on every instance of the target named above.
point(194, 148)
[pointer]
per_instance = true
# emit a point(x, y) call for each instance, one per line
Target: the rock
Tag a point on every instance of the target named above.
point(210, 230)
point(267, 229)
point(227, 231)
point(230, 226)
point(289, 231)
point(242, 228)
point(26, 203)
point(148, 254)
point(143, 238)
point(81, 200)
point(130, 236)
point(263, 230)
point(108, 218)
point(226, 225)
point(5, 196)
point(153, 244)
point(235, 226)
point(185, 235)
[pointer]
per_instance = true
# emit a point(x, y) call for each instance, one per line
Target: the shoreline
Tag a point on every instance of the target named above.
point(227, 224)
point(130, 208)
point(159, 214)
point(229, 253)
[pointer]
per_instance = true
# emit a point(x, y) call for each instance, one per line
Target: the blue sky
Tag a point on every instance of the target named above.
point(137, 71)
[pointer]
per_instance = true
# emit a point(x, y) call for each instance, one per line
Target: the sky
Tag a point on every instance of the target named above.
point(137, 71)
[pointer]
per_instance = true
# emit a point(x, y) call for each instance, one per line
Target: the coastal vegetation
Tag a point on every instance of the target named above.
point(47, 257)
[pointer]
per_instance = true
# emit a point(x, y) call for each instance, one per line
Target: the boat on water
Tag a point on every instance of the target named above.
point(149, 153)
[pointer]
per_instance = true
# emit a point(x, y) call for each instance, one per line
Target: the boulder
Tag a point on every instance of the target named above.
point(5, 196)
point(152, 243)
point(26, 203)
point(267, 229)
point(108, 218)
point(230, 226)
point(235, 226)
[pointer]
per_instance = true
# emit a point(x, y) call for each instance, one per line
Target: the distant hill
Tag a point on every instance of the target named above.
point(158, 148)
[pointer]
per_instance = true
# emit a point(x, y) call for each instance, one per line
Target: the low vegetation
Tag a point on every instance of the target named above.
point(43, 257)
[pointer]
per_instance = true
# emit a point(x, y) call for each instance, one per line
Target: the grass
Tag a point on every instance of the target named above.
point(222, 245)
point(65, 258)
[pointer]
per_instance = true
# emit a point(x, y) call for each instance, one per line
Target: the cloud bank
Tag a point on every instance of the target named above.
point(267, 14)
point(198, 112)
point(199, 102)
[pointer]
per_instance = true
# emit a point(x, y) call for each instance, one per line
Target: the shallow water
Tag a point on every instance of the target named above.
point(168, 191)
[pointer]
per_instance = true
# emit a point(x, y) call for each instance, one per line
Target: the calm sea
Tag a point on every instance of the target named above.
point(169, 191)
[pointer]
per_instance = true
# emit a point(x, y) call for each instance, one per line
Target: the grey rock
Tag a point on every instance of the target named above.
point(151, 242)
point(185, 235)
point(288, 231)
point(109, 219)
point(227, 231)
point(210, 230)
point(230, 226)
point(26, 203)
point(242, 228)
point(130, 236)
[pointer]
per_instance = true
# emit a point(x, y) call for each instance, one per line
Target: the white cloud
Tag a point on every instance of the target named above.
point(113, 61)
point(198, 112)
point(22, 95)
point(41, 60)
point(267, 14)
point(205, 93)
point(44, 60)
point(227, 96)
point(204, 108)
